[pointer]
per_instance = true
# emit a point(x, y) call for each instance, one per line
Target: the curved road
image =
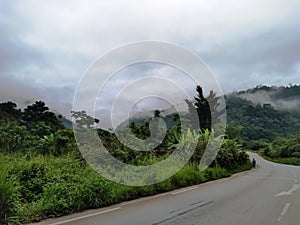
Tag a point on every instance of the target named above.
point(267, 195)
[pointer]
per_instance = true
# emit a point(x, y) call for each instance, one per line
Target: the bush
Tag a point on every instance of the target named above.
point(215, 173)
point(188, 175)
point(59, 143)
point(14, 138)
point(296, 154)
point(231, 156)
point(31, 177)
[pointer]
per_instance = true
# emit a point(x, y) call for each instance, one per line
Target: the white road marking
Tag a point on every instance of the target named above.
point(294, 188)
point(182, 191)
point(86, 216)
point(283, 193)
point(284, 211)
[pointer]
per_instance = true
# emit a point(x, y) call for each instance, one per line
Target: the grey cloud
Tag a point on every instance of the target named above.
point(58, 99)
point(46, 46)
point(271, 57)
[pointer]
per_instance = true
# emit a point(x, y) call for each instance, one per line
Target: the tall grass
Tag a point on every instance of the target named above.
point(69, 185)
point(289, 161)
point(6, 197)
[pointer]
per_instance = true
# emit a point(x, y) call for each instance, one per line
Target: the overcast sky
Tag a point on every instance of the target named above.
point(47, 46)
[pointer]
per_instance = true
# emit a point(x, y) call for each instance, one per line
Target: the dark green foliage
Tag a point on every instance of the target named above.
point(284, 148)
point(141, 131)
point(51, 178)
point(231, 155)
point(14, 138)
point(41, 129)
point(32, 180)
point(233, 132)
point(59, 143)
point(39, 112)
point(257, 144)
point(9, 112)
point(258, 122)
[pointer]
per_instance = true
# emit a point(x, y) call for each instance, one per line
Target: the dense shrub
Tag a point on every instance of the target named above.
point(14, 138)
point(48, 186)
point(231, 155)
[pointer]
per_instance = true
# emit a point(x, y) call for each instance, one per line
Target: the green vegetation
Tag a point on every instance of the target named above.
point(258, 122)
point(7, 191)
point(281, 150)
point(42, 173)
point(49, 186)
point(274, 133)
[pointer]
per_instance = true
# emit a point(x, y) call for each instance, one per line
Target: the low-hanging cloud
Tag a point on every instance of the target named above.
point(269, 97)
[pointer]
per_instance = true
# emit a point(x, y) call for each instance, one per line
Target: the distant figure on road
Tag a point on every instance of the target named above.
point(253, 163)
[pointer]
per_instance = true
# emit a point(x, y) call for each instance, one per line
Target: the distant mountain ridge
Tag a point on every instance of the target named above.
point(262, 112)
point(281, 98)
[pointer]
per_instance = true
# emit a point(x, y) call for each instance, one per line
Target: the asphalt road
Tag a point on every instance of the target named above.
point(267, 195)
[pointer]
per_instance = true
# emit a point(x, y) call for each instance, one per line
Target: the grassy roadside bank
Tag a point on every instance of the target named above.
point(45, 186)
point(288, 161)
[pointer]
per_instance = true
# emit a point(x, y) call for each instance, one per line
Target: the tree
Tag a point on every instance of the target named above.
point(203, 109)
point(83, 120)
point(39, 112)
point(9, 111)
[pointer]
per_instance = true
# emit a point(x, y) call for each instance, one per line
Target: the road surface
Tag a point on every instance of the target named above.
point(267, 195)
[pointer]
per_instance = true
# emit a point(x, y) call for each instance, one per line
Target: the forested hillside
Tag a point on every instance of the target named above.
point(285, 98)
point(268, 120)
point(259, 121)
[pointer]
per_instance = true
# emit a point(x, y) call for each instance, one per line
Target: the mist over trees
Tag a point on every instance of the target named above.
point(281, 98)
